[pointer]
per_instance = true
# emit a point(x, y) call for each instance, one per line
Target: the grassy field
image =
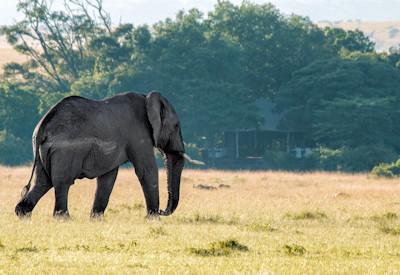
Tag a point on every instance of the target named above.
point(252, 223)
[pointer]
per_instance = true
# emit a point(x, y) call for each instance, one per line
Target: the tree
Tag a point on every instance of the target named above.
point(271, 45)
point(18, 115)
point(344, 102)
point(350, 41)
point(56, 42)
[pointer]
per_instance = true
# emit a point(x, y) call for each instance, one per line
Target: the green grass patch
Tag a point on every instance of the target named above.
point(307, 215)
point(293, 250)
point(220, 248)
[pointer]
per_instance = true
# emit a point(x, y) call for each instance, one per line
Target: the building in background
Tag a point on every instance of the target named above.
point(250, 145)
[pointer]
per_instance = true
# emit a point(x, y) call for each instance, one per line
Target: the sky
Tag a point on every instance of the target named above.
point(151, 11)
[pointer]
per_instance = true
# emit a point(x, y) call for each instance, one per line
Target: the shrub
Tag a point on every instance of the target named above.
point(389, 170)
point(328, 159)
point(360, 158)
point(365, 157)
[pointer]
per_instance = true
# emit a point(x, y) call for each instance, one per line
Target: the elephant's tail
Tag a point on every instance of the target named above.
point(35, 159)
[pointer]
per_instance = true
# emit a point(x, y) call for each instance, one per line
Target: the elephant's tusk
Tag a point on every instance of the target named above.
point(193, 161)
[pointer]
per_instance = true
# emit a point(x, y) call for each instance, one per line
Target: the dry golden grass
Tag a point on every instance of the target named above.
point(265, 222)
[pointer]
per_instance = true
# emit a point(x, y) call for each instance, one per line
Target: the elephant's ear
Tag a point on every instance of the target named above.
point(154, 107)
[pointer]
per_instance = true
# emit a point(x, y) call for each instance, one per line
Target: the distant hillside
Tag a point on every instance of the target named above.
point(385, 34)
point(7, 54)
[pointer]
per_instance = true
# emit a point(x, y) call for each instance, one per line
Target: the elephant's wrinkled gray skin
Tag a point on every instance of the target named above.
point(82, 138)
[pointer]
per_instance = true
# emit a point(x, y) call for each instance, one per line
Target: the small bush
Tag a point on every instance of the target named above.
point(307, 215)
point(294, 250)
point(328, 159)
point(220, 248)
point(388, 170)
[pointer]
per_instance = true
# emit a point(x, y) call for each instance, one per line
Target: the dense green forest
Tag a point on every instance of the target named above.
point(329, 82)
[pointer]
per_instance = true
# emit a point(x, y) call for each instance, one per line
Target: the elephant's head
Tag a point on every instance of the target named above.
point(167, 137)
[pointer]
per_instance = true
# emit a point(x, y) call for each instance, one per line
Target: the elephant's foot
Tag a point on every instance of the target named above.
point(153, 215)
point(164, 212)
point(24, 208)
point(61, 214)
point(97, 215)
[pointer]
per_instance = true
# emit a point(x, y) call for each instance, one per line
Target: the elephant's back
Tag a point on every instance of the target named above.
point(75, 118)
point(67, 117)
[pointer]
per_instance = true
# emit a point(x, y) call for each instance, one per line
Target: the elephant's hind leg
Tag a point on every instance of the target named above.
point(105, 184)
point(61, 182)
point(65, 167)
point(39, 189)
point(61, 205)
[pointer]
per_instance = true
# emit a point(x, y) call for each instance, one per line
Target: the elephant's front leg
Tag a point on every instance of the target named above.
point(147, 173)
point(105, 184)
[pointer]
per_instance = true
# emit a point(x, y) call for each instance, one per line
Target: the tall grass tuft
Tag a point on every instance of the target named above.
point(391, 230)
point(307, 215)
point(294, 250)
point(220, 248)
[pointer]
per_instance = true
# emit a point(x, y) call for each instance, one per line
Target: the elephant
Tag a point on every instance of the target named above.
point(83, 138)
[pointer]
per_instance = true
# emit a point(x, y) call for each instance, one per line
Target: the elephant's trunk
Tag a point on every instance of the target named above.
point(174, 167)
